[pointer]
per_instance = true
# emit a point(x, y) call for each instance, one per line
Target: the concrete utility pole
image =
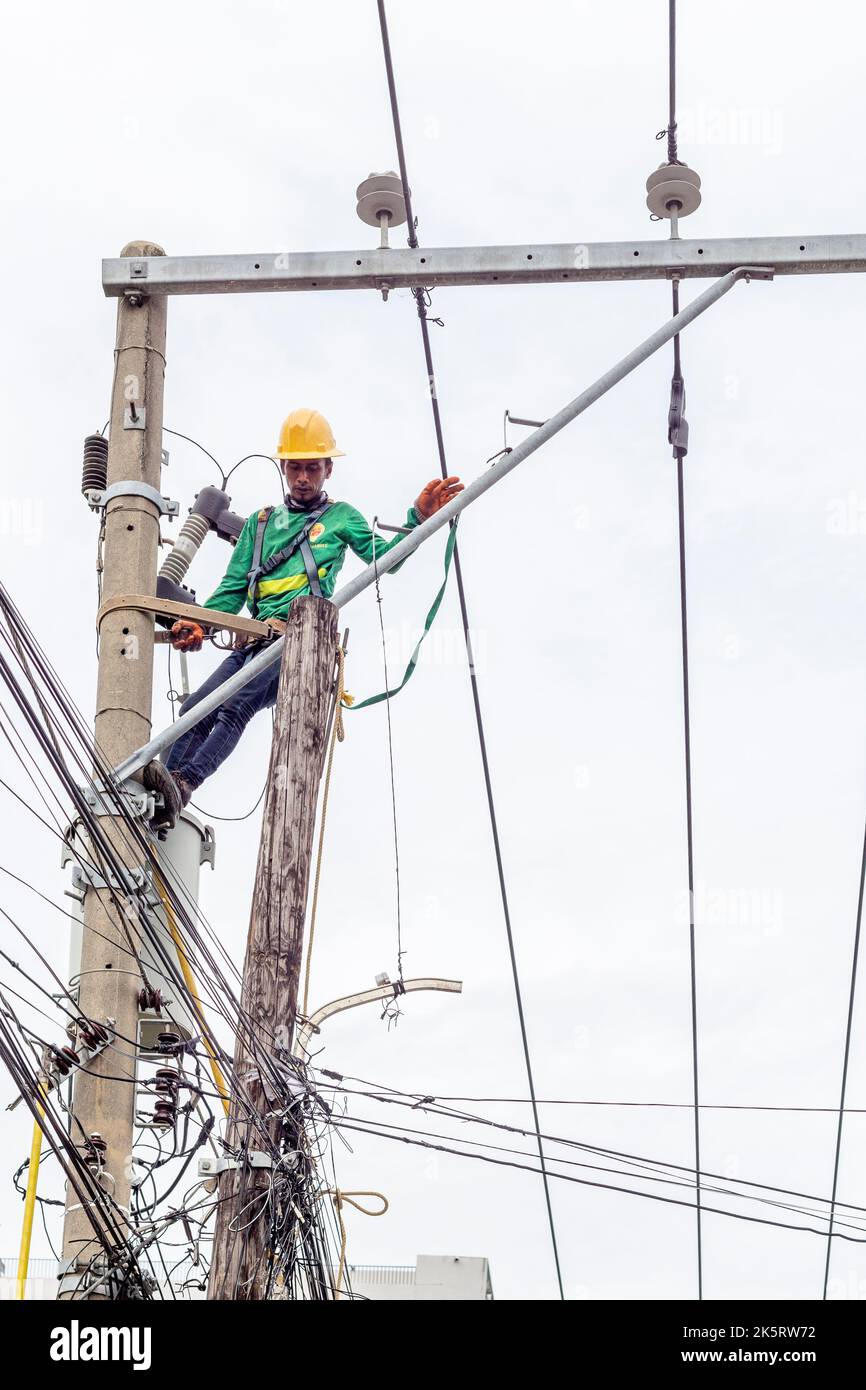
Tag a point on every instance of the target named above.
point(274, 944)
point(109, 981)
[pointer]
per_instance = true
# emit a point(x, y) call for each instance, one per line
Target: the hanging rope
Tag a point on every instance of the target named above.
point(392, 1012)
point(340, 1199)
point(338, 734)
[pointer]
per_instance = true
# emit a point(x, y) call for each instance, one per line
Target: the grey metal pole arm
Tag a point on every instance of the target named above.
point(506, 464)
point(391, 990)
point(432, 267)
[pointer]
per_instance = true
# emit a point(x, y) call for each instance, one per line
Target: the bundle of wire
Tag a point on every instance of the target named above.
point(56, 757)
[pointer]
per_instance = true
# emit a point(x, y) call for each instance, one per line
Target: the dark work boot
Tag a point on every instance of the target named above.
point(185, 788)
point(157, 778)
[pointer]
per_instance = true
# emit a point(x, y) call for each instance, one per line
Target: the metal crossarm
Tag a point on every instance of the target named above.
point(420, 267)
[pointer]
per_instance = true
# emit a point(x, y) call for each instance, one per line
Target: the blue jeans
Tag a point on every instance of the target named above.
point(198, 753)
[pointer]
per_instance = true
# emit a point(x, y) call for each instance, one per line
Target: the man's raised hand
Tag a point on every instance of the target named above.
point(435, 495)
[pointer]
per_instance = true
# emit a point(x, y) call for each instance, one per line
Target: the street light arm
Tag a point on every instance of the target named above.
point(392, 990)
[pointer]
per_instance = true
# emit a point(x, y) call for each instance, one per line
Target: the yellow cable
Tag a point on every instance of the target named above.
point(339, 1199)
point(338, 733)
point(29, 1205)
point(216, 1071)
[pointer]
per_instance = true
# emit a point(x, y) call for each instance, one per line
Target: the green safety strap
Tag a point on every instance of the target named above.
point(413, 660)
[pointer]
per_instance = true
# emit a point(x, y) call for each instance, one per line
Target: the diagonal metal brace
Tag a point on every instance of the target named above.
point(488, 479)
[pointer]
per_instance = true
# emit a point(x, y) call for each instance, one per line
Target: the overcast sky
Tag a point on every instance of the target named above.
point(223, 127)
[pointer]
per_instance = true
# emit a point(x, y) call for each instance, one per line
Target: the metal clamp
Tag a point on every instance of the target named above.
point(207, 852)
point(104, 1283)
point(136, 885)
point(135, 799)
point(678, 425)
point(87, 1053)
point(129, 488)
point(210, 1166)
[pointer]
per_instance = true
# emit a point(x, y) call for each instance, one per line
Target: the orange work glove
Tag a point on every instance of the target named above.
point(436, 494)
point(187, 636)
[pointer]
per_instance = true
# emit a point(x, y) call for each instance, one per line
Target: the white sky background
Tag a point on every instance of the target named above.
point(228, 127)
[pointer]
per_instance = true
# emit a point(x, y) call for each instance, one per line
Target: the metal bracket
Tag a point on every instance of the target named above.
point(86, 1053)
point(105, 1283)
point(129, 488)
point(210, 1166)
point(207, 853)
point(678, 425)
point(140, 802)
point(138, 879)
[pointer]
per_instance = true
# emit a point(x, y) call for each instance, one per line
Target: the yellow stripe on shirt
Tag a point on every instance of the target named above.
point(285, 586)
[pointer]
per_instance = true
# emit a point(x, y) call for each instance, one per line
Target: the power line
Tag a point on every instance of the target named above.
point(421, 305)
point(56, 727)
point(678, 437)
point(462, 1117)
point(845, 1064)
point(589, 1182)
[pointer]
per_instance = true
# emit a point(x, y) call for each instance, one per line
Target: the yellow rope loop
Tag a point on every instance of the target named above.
point(338, 733)
point(340, 1199)
point(349, 1197)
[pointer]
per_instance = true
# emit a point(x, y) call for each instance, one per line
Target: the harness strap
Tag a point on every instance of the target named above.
point(311, 567)
point(256, 567)
point(299, 542)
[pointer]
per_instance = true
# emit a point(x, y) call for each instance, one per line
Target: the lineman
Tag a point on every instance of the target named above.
point(282, 552)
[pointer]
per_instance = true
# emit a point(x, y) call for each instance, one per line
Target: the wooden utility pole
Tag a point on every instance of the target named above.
point(109, 980)
point(274, 945)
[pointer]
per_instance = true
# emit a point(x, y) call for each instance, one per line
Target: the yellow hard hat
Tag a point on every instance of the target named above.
point(307, 435)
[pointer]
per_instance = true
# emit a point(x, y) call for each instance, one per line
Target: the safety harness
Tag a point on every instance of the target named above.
point(259, 571)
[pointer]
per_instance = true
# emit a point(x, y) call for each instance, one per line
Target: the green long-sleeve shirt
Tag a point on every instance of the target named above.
point(339, 528)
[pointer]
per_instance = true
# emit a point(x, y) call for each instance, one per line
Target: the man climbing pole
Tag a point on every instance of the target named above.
point(282, 552)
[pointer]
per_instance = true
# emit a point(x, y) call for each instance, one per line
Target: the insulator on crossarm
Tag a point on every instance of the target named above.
point(673, 191)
